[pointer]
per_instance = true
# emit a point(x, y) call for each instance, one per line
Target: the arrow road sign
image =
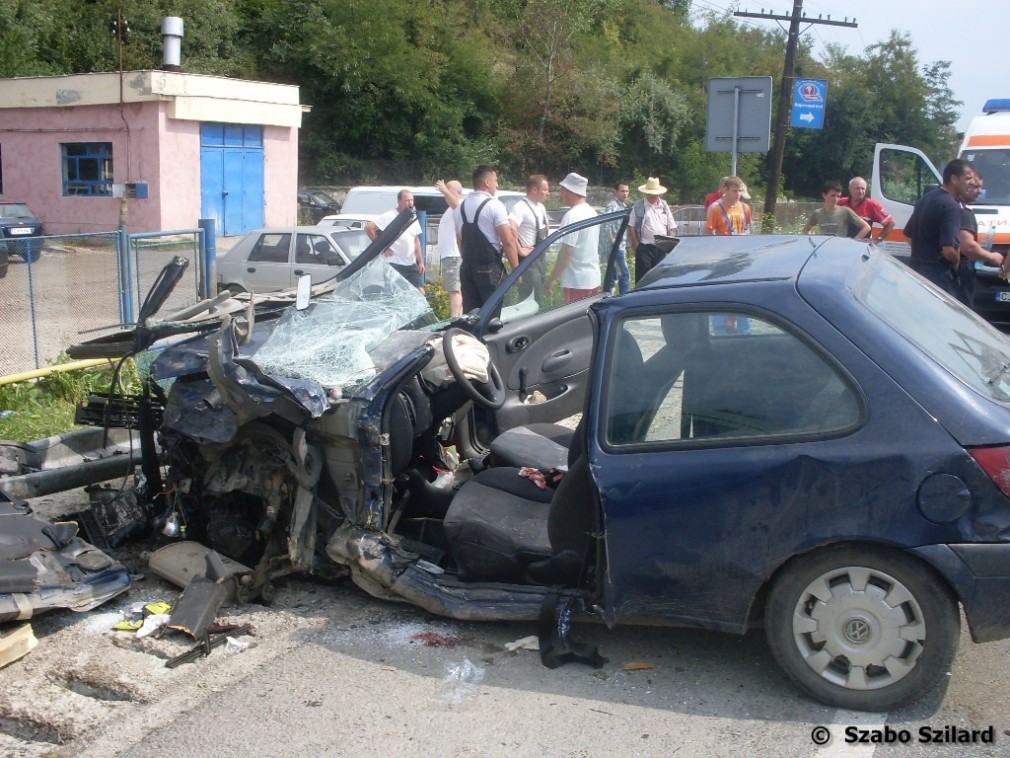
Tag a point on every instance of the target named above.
point(809, 98)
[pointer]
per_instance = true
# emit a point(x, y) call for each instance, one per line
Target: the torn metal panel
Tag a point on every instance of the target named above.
point(44, 566)
point(197, 607)
point(181, 561)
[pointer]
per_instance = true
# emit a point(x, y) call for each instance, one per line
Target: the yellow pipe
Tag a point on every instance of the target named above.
point(38, 373)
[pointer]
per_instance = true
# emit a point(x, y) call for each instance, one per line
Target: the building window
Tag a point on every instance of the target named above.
point(1, 174)
point(87, 168)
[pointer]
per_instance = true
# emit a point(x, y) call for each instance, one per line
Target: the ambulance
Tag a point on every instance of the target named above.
point(901, 175)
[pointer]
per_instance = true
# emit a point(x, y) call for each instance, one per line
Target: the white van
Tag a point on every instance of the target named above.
point(365, 203)
point(902, 174)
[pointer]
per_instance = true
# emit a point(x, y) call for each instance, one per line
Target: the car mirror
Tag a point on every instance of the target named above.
point(303, 293)
point(493, 326)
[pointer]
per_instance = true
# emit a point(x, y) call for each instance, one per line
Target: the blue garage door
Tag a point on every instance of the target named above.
point(231, 171)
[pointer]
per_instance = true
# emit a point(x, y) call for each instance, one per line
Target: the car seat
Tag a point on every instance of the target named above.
point(501, 527)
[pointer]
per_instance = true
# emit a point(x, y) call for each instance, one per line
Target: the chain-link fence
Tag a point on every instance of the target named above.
point(148, 255)
point(48, 303)
point(62, 290)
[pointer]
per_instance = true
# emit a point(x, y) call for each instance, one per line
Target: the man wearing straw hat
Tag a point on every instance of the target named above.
point(650, 217)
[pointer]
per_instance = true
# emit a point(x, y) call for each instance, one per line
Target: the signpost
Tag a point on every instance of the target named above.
point(809, 99)
point(739, 115)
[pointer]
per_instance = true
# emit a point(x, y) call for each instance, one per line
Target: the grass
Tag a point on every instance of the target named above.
point(43, 407)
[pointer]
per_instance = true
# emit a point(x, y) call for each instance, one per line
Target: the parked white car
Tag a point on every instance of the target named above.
point(272, 259)
point(364, 204)
point(690, 220)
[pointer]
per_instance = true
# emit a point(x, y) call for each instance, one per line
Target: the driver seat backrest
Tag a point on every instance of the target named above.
point(572, 520)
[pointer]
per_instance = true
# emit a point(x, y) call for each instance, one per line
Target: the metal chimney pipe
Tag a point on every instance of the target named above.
point(171, 35)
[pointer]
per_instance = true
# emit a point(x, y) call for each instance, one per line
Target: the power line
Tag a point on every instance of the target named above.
point(796, 18)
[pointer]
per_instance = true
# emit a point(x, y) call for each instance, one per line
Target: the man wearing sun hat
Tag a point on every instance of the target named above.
point(650, 216)
point(578, 263)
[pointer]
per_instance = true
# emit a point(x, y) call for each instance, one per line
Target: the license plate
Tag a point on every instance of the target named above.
point(28, 230)
point(1003, 297)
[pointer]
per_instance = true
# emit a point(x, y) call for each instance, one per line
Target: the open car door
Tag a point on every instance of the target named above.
point(543, 348)
point(901, 175)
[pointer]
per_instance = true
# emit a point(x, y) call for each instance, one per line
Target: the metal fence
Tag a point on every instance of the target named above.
point(76, 290)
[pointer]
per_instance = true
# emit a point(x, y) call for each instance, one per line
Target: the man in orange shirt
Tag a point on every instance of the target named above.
point(729, 216)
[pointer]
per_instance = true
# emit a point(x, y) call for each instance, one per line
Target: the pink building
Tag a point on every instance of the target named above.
point(156, 150)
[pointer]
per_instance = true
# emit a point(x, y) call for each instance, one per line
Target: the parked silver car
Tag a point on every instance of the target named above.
point(690, 220)
point(272, 259)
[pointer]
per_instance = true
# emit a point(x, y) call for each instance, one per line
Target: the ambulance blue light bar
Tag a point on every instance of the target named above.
point(996, 105)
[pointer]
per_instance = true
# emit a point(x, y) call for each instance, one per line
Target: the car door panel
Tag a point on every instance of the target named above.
point(550, 357)
point(756, 466)
point(544, 356)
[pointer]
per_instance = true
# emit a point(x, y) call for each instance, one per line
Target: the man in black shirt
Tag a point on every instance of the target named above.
point(935, 231)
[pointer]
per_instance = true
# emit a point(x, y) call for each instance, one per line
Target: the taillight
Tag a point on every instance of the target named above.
point(995, 461)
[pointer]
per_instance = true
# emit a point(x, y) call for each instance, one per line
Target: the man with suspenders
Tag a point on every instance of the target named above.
point(485, 235)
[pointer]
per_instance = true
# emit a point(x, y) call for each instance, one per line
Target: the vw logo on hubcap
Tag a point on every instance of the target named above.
point(856, 631)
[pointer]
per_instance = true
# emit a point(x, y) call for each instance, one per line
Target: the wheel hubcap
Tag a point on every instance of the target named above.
point(859, 628)
point(857, 631)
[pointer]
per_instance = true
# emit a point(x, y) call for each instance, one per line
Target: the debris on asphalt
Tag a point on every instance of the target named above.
point(638, 666)
point(45, 565)
point(461, 683)
point(211, 641)
point(524, 643)
point(17, 644)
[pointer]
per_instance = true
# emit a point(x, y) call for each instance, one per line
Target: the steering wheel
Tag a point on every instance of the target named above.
point(493, 394)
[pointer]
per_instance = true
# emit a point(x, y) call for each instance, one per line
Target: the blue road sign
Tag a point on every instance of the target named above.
point(809, 98)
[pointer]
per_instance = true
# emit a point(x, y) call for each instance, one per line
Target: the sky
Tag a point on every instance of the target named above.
point(968, 33)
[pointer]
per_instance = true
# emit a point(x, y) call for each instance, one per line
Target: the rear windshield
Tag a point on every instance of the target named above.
point(960, 341)
point(15, 210)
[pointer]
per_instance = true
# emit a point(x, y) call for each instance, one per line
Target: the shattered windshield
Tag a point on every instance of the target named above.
point(329, 342)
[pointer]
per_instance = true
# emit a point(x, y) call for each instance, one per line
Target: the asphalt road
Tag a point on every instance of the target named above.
point(333, 671)
point(367, 680)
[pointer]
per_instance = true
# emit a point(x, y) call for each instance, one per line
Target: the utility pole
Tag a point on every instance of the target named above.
point(786, 91)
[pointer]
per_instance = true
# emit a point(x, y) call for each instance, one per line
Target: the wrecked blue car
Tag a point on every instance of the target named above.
point(794, 433)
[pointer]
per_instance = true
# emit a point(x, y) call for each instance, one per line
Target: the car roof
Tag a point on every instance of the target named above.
point(306, 228)
point(711, 260)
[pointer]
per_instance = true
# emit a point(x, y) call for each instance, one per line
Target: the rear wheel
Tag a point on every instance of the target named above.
point(863, 628)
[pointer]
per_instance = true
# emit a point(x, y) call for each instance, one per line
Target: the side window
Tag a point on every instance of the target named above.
point(904, 176)
point(87, 168)
point(316, 248)
point(271, 248)
point(719, 375)
point(571, 265)
point(993, 164)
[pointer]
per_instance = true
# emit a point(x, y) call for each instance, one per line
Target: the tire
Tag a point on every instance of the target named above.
point(862, 627)
point(4, 262)
point(235, 289)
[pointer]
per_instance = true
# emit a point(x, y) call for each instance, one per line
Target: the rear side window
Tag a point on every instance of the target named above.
point(957, 339)
point(271, 248)
point(721, 376)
